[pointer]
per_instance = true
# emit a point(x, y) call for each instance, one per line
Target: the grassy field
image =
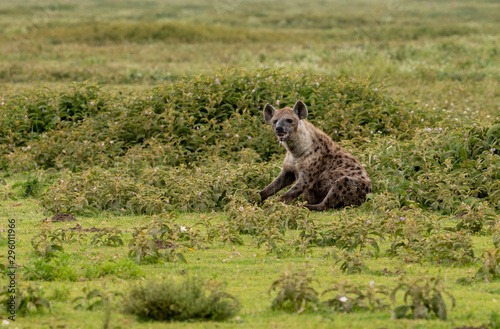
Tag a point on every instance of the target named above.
point(143, 120)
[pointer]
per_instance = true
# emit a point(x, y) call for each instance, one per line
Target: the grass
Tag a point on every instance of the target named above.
point(437, 58)
point(248, 271)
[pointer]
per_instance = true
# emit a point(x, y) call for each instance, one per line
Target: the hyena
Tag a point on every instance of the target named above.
point(325, 174)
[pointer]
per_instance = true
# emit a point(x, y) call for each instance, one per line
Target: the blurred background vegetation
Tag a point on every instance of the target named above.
point(433, 51)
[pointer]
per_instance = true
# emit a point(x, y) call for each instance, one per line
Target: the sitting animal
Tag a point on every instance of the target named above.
point(326, 175)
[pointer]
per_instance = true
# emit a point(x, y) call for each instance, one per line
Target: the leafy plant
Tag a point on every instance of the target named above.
point(248, 218)
point(47, 243)
point(192, 299)
point(350, 297)
point(39, 269)
point(452, 248)
point(490, 268)
point(351, 262)
point(29, 299)
point(58, 267)
point(91, 300)
point(124, 268)
point(227, 233)
point(294, 292)
point(349, 235)
point(418, 239)
point(422, 297)
point(108, 236)
point(144, 248)
point(474, 216)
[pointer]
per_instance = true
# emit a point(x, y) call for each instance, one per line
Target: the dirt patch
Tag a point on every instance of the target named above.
point(61, 217)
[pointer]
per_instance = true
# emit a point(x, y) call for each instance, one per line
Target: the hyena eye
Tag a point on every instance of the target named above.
point(289, 120)
point(274, 122)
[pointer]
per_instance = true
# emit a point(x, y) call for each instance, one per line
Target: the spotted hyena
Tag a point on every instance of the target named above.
point(325, 174)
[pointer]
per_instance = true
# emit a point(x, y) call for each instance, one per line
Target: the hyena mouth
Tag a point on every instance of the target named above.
point(282, 137)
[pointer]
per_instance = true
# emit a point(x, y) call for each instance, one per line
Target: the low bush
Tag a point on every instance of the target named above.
point(294, 292)
point(217, 114)
point(422, 297)
point(29, 299)
point(349, 297)
point(192, 299)
point(156, 190)
point(490, 268)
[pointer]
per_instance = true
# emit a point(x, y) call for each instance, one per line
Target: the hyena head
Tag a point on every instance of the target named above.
point(286, 120)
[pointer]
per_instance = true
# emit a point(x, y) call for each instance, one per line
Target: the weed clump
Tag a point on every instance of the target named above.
point(475, 217)
point(349, 297)
point(190, 300)
point(29, 299)
point(295, 293)
point(490, 269)
point(423, 296)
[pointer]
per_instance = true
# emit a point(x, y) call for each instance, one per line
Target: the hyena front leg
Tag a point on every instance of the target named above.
point(285, 179)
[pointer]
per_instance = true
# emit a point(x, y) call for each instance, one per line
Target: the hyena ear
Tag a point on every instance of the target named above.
point(300, 109)
point(269, 111)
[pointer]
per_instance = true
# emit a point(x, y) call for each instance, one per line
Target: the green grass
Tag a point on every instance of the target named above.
point(248, 272)
point(432, 61)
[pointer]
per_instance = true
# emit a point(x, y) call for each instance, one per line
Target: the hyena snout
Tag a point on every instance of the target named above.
point(282, 132)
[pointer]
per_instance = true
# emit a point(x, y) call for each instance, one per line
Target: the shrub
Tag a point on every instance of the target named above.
point(422, 297)
point(351, 262)
point(351, 234)
point(419, 238)
point(156, 190)
point(440, 169)
point(216, 114)
point(294, 292)
point(449, 248)
point(490, 268)
point(248, 218)
point(29, 299)
point(474, 216)
point(108, 236)
point(91, 300)
point(350, 297)
point(48, 242)
point(188, 300)
point(148, 241)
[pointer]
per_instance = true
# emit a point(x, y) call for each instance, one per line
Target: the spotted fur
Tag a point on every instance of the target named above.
point(325, 174)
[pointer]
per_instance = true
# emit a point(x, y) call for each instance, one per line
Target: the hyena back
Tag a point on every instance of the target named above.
point(325, 174)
